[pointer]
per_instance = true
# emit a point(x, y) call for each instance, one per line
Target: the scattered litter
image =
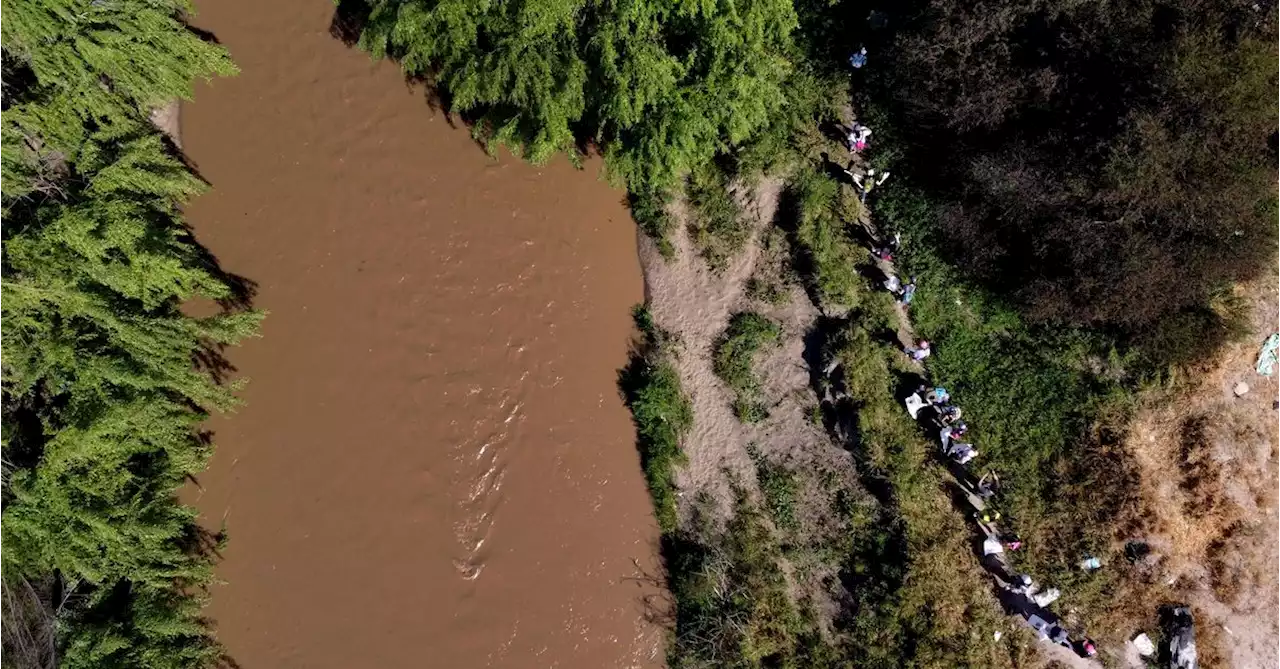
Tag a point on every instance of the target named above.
point(1047, 597)
point(914, 405)
point(1090, 563)
point(1240, 389)
point(1268, 354)
point(1228, 630)
point(992, 546)
point(1146, 647)
point(997, 635)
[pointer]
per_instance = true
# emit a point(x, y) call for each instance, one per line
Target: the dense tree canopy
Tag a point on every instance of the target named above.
point(660, 86)
point(102, 391)
point(1102, 164)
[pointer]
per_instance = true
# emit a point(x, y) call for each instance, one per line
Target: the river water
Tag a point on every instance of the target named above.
point(433, 467)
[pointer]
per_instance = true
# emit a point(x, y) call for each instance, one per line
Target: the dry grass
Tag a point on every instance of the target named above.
point(1208, 466)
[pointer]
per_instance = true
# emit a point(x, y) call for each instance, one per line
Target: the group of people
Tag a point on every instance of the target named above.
point(933, 407)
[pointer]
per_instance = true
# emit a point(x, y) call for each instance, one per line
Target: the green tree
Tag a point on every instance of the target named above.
point(662, 87)
point(105, 378)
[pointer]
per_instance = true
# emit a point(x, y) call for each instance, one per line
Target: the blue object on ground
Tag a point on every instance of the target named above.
point(1268, 355)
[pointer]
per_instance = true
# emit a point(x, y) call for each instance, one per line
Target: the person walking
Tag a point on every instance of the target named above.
point(908, 293)
point(858, 59)
point(918, 352)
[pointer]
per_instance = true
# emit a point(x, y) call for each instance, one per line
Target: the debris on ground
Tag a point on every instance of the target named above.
point(1267, 356)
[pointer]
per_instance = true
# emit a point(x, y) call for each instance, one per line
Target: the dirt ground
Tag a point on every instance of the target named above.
point(169, 120)
point(1208, 462)
point(695, 304)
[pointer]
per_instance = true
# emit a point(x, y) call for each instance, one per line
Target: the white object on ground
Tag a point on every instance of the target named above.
point(1269, 354)
point(915, 404)
point(1240, 389)
point(992, 546)
point(1146, 647)
point(1047, 597)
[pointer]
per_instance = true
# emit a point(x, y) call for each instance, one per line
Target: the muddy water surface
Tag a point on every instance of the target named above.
point(433, 468)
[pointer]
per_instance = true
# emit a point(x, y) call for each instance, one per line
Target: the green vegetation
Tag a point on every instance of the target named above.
point(106, 380)
point(920, 596)
point(662, 415)
point(826, 255)
point(780, 487)
point(1078, 188)
point(660, 87)
point(1106, 166)
point(734, 357)
point(733, 605)
point(1077, 184)
point(1047, 406)
point(716, 221)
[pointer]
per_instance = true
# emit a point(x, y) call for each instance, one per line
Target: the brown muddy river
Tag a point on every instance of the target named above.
point(433, 467)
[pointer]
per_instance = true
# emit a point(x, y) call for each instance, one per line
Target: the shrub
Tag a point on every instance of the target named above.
point(662, 415)
point(734, 356)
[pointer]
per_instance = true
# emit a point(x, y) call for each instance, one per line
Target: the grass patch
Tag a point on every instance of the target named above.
point(1047, 406)
point(733, 605)
point(824, 253)
point(716, 222)
point(921, 598)
point(780, 487)
point(662, 414)
point(649, 208)
point(734, 357)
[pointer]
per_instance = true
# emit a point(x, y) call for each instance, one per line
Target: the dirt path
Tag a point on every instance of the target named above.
point(433, 467)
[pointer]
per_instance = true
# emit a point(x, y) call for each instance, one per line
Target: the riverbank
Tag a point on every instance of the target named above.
point(838, 500)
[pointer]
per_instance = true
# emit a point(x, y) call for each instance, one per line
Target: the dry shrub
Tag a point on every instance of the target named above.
point(1201, 474)
point(1231, 571)
point(1210, 643)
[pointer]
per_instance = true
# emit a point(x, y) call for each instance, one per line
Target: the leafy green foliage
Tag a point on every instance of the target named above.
point(662, 87)
point(106, 380)
point(828, 258)
point(662, 414)
point(134, 53)
point(734, 357)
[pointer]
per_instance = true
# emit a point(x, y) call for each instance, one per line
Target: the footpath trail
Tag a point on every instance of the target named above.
point(1004, 578)
point(1016, 600)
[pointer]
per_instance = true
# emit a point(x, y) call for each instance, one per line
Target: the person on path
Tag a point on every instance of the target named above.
point(988, 485)
point(949, 432)
point(885, 251)
point(937, 396)
point(857, 60)
point(866, 182)
point(961, 452)
point(918, 352)
point(858, 136)
point(949, 413)
point(908, 293)
point(893, 284)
